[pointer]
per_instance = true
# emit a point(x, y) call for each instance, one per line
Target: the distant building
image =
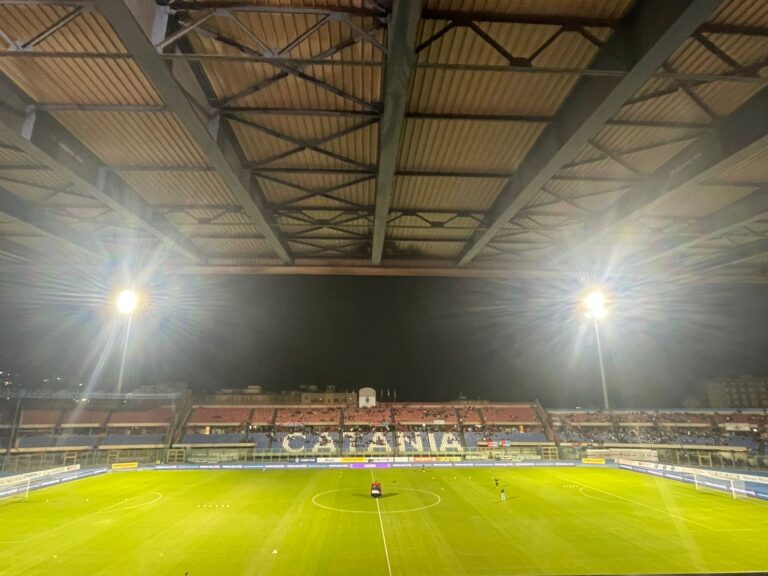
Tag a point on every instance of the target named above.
point(740, 392)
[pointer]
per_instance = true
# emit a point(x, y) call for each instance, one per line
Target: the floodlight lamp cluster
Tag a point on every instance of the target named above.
point(595, 306)
point(127, 301)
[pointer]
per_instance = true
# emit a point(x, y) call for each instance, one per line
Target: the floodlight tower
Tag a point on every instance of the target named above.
point(594, 304)
point(126, 303)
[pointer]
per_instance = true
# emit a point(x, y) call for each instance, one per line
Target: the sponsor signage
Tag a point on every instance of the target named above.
point(38, 474)
point(593, 460)
point(125, 465)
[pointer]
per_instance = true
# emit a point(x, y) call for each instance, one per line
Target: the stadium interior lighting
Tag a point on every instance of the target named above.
point(594, 305)
point(127, 301)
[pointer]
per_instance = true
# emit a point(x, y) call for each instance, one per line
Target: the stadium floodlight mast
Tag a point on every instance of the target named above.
point(595, 309)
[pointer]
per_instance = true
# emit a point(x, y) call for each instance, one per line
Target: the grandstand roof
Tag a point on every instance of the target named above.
point(432, 137)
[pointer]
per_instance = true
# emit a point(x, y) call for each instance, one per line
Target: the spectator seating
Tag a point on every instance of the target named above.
point(469, 416)
point(299, 443)
point(510, 437)
point(471, 438)
point(424, 414)
point(683, 419)
point(141, 418)
point(39, 418)
point(228, 439)
point(413, 442)
point(78, 418)
point(219, 416)
point(748, 442)
point(307, 417)
point(596, 418)
point(378, 416)
point(367, 443)
point(132, 440)
point(446, 442)
point(71, 441)
point(510, 415)
point(262, 416)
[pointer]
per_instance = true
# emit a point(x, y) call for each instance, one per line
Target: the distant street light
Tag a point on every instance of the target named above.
point(594, 304)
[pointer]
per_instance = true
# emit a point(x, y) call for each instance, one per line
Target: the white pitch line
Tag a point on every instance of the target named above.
point(639, 504)
point(381, 525)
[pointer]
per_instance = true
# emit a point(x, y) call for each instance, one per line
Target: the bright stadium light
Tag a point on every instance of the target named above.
point(127, 301)
point(594, 305)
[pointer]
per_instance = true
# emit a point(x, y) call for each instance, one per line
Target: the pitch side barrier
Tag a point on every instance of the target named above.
point(12, 485)
point(364, 463)
point(753, 486)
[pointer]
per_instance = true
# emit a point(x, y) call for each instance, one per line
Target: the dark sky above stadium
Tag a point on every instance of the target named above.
point(429, 339)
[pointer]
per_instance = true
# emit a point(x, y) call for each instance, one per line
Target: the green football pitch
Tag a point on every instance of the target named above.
point(433, 521)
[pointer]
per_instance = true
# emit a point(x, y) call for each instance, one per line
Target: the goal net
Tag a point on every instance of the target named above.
point(18, 490)
point(734, 487)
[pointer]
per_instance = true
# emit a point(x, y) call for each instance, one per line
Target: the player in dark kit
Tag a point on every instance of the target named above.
point(497, 482)
point(376, 490)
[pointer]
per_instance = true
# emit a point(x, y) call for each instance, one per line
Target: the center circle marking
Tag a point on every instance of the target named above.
point(417, 509)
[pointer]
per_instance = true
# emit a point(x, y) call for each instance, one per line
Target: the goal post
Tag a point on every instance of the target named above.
point(733, 486)
point(16, 490)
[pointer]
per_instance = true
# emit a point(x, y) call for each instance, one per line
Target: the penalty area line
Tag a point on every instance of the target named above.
point(381, 525)
point(659, 510)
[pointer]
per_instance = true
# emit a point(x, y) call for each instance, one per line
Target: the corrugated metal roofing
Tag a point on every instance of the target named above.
point(133, 138)
point(321, 200)
point(594, 8)
point(89, 32)
point(700, 201)
point(446, 193)
point(184, 188)
point(80, 80)
point(466, 145)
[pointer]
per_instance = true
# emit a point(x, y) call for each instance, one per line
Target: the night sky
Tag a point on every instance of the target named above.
point(428, 338)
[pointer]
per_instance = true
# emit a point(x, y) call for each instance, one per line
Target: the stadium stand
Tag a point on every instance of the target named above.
point(84, 418)
point(377, 416)
point(133, 440)
point(39, 418)
point(297, 442)
point(367, 442)
point(69, 442)
point(516, 437)
point(262, 416)
point(307, 417)
point(414, 442)
point(408, 414)
point(219, 416)
point(224, 439)
point(141, 418)
point(469, 416)
point(510, 415)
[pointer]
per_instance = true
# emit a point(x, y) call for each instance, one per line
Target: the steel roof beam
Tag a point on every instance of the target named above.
point(736, 138)
point(31, 216)
point(397, 76)
point(741, 213)
point(221, 156)
point(739, 255)
point(642, 42)
point(40, 136)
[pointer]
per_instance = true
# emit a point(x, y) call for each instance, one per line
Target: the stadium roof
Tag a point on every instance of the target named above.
point(446, 137)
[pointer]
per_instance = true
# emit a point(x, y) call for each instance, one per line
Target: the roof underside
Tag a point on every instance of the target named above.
point(456, 137)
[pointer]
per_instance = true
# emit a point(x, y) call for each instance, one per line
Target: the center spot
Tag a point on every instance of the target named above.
point(356, 501)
